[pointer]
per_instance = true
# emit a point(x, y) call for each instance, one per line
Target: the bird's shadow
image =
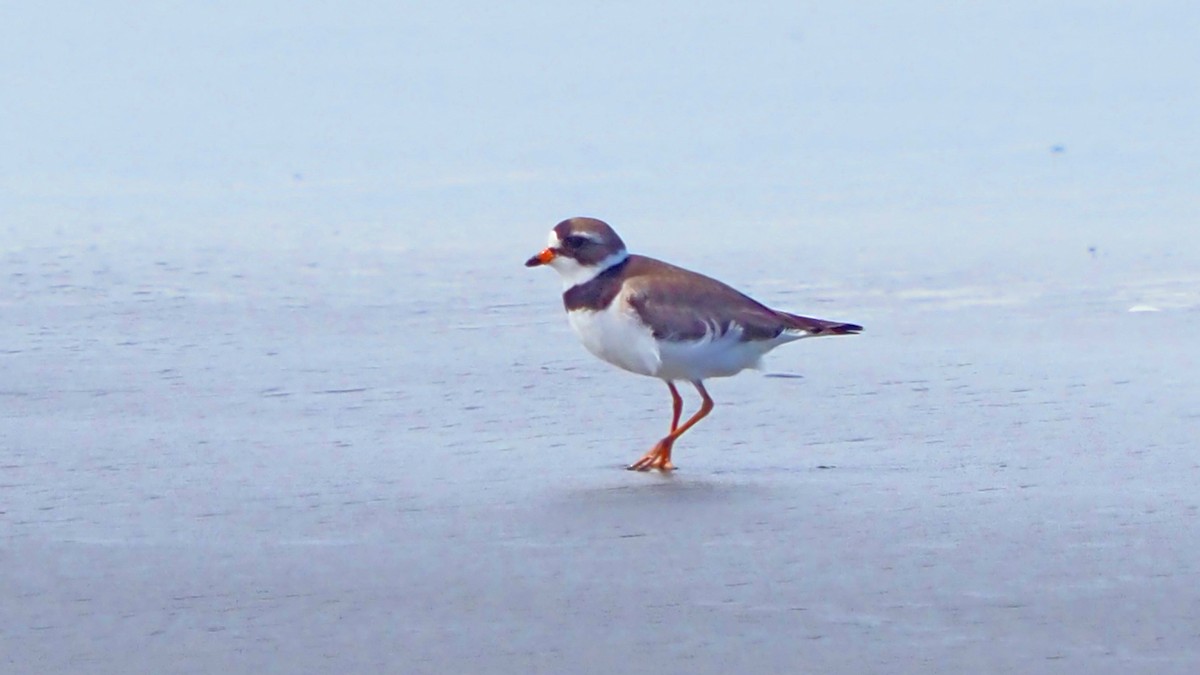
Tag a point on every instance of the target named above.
point(649, 487)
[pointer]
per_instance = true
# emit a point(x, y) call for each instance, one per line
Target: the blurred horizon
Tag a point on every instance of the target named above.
point(930, 131)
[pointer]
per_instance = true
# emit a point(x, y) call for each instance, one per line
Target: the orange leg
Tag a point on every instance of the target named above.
point(659, 456)
point(676, 405)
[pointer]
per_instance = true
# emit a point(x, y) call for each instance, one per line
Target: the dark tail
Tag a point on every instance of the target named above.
point(820, 326)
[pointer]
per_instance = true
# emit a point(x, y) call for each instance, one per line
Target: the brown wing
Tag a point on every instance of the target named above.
point(685, 305)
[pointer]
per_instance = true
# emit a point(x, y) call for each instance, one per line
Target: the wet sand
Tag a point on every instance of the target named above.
point(338, 459)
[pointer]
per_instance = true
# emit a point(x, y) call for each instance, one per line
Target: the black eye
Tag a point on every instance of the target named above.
point(575, 241)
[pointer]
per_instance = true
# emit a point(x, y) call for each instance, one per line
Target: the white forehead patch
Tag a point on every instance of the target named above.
point(553, 241)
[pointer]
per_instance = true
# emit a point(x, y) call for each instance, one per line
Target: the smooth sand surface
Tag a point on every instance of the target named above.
point(330, 459)
point(278, 396)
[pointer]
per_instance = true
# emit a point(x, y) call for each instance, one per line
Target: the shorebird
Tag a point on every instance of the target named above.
point(653, 318)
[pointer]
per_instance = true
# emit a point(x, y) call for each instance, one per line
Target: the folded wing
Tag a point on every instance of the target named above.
point(684, 305)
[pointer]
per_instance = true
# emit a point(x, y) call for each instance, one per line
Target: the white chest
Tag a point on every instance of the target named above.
point(617, 336)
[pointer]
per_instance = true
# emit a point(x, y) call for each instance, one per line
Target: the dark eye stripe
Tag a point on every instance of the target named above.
point(575, 241)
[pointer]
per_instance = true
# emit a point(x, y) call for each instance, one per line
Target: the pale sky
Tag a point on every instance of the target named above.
point(877, 119)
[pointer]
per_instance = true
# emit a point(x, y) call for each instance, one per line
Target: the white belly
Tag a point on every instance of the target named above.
point(620, 338)
point(714, 356)
point(617, 337)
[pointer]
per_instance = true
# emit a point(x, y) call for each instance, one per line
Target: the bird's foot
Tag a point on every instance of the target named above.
point(659, 458)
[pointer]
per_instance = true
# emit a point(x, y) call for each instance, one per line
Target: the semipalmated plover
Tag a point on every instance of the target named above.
point(653, 318)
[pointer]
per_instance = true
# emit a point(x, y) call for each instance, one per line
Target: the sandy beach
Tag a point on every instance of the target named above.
point(310, 463)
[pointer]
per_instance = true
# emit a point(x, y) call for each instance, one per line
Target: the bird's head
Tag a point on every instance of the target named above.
point(579, 249)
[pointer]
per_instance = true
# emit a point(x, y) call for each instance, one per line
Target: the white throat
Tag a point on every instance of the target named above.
point(574, 274)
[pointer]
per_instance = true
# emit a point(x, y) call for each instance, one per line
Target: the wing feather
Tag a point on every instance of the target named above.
point(684, 305)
